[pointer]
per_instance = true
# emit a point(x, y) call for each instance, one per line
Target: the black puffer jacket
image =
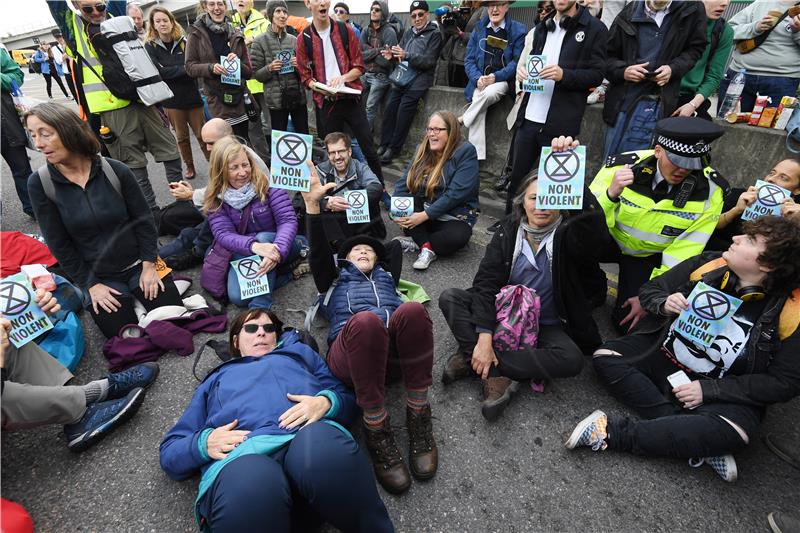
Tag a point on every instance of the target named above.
point(573, 253)
point(683, 44)
point(772, 372)
point(170, 61)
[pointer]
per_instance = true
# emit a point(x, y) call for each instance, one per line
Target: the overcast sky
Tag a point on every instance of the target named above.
point(29, 15)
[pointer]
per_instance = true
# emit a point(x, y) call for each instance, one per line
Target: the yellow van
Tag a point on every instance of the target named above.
point(22, 56)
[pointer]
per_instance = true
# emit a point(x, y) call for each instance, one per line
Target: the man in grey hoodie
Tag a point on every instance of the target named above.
point(419, 47)
point(378, 36)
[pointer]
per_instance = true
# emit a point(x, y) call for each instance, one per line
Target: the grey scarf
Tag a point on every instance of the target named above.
point(535, 235)
point(212, 26)
point(239, 198)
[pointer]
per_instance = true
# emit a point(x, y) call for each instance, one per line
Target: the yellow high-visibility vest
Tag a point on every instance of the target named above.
point(643, 227)
point(256, 25)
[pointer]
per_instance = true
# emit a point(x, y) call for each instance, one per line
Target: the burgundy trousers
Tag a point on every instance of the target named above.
point(361, 354)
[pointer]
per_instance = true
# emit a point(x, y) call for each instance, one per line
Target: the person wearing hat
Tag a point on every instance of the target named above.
point(660, 205)
point(341, 12)
point(419, 49)
point(372, 332)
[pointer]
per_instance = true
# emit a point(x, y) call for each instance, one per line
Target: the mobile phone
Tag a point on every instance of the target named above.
point(496, 42)
point(343, 186)
point(678, 378)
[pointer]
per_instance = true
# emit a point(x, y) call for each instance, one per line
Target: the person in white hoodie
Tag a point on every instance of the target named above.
point(773, 68)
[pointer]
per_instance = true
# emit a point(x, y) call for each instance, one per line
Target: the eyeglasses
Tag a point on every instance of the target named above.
point(100, 8)
point(497, 5)
point(435, 131)
point(253, 328)
point(338, 152)
point(340, 11)
point(544, 9)
point(418, 15)
point(376, 10)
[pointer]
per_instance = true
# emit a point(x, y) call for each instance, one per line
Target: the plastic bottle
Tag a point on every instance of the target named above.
point(107, 136)
point(732, 96)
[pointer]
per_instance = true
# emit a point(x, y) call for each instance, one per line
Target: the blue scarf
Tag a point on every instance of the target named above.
point(239, 198)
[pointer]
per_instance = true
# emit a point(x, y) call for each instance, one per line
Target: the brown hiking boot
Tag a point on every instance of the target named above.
point(390, 470)
point(457, 367)
point(423, 454)
point(496, 396)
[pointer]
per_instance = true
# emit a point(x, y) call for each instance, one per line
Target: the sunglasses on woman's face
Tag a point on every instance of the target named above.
point(253, 328)
point(90, 9)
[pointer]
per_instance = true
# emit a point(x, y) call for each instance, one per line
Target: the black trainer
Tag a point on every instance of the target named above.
point(100, 418)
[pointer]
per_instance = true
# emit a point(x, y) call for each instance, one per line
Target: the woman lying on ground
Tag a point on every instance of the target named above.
point(543, 250)
point(264, 429)
point(751, 362)
point(368, 324)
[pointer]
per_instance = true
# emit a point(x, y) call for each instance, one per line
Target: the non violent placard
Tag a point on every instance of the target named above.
point(401, 206)
point(561, 176)
point(290, 151)
point(18, 305)
point(358, 212)
point(535, 64)
point(708, 311)
point(285, 57)
point(250, 283)
point(768, 201)
point(233, 70)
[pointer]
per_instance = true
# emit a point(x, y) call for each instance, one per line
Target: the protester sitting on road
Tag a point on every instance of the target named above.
point(166, 43)
point(239, 189)
point(544, 250)
point(490, 68)
point(210, 37)
point(344, 171)
point(378, 35)
point(95, 220)
point(443, 180)
point(284, 94)
point(265, 429)
point(785, 174)
point(661, 207)
point(368, 324)
point(751, 361)
point(419, 48)
point(34, 390)
point(772, 67)
point(702, 81)
point(13, 140)
point(133, 126)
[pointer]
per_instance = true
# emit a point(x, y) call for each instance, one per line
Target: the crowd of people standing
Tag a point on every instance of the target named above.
point(278, 412)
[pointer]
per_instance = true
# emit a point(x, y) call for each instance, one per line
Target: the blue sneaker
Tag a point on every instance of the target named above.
point(591, 431)
point(100, 418)
point(121, 383)
point(724, 465)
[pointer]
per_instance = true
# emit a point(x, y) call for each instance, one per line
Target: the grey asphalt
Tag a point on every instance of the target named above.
point(511, 475)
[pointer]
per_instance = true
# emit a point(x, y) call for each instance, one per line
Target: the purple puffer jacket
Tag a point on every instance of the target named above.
point(275, 214)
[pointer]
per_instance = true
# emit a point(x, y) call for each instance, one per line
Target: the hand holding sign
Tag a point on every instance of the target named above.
point(358, 212)
point(18, 305)
point(290, 151)
point(561, 177)
point(769, 200)
point(231, 69)
point(252, 281)
point(285, 59)
point(401, 206)
point(708, 311)
point(534, 65)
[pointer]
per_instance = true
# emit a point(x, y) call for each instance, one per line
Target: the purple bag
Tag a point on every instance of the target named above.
point(517, 310)
point(214, 275)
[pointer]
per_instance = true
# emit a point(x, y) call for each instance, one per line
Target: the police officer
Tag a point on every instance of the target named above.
point(660, 206)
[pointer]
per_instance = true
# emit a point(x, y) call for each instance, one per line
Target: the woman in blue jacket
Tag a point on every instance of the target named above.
point(443, 181)
point(50, 69)
point(264, 429)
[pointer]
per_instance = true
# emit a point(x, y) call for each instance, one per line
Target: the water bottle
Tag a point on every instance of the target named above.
point(107, 136)
point(732, 96)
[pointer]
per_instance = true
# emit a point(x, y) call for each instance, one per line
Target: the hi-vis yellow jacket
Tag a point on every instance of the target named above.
point(643, 227)
point(256, 25)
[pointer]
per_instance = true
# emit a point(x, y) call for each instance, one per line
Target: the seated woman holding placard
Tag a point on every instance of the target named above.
point(370, 329)
point(247, 218)
point(542, 250)
point(704, 398)
point(443, 180)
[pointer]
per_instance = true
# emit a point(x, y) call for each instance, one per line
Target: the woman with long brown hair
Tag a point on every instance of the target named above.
point(166, 43)
point(443, 181)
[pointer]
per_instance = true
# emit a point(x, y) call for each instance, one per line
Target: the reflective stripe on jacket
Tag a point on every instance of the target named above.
point(98, 97)
point(255, 26)
point(642, 226)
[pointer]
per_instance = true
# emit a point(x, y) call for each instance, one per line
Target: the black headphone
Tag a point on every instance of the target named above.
point(750, 293)
point(565, 22)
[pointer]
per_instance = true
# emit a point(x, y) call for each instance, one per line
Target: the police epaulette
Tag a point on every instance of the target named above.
point(616, 160)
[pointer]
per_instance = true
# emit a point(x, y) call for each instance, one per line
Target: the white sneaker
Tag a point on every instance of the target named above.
point(407, 244)
point(724, 465)
point(426, 257)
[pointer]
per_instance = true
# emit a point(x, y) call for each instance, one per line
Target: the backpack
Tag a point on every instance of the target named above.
point(310, 45)
point(49, 189)
point(518, 309)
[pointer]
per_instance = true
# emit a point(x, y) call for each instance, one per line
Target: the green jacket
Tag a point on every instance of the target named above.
point(643, 227)
point(704, 78)
point(10, 71)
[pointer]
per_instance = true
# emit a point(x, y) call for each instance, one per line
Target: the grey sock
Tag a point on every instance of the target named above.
point(96, 391)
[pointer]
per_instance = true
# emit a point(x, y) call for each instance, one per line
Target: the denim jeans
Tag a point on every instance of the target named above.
point(398, 116)
point(378, 84)
point(197, 239)
point(277, 277)
point(17, 159)
point(776, 87)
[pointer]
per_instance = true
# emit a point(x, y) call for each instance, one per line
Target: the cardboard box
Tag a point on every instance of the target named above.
point(783, 120)
point(767, 117)
point(758, 108)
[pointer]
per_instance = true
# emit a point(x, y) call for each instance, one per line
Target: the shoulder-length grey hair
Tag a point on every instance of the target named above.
point(518, 203)
point(75, 134)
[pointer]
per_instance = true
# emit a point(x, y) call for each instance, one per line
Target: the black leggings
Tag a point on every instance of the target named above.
point(445, 237)
point(556, 355)
point(242, 130)
point(58, 81)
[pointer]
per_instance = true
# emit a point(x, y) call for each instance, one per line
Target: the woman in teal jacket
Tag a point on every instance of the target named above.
point(264, 431)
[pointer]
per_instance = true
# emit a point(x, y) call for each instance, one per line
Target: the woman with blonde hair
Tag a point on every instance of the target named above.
point(166, 43)
point(247, 218)
point(443, 181)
